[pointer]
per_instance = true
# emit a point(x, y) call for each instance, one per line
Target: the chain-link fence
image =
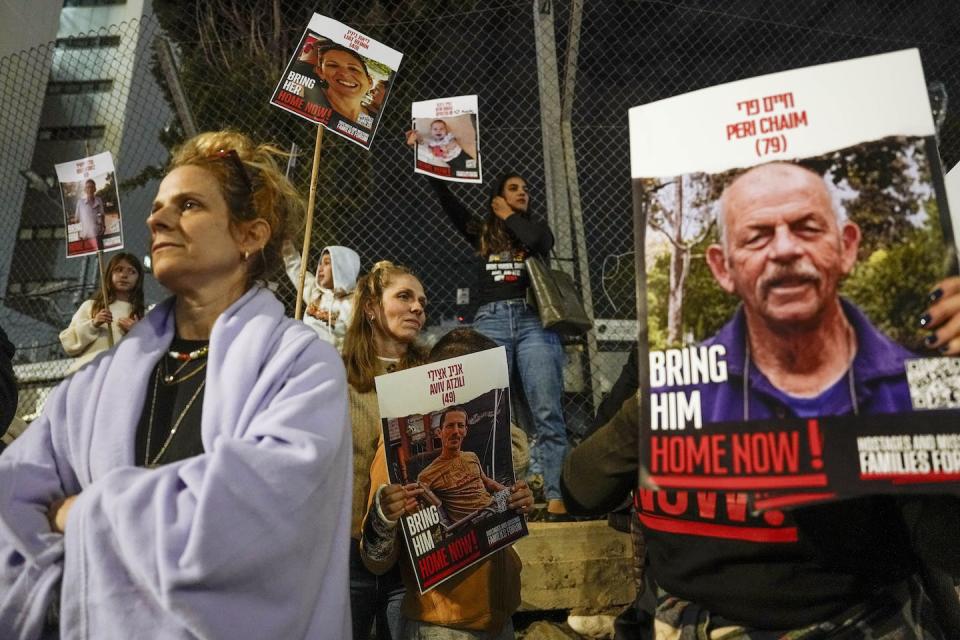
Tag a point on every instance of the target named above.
point(554, 80)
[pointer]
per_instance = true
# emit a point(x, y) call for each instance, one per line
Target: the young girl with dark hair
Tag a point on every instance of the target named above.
point(87, 334)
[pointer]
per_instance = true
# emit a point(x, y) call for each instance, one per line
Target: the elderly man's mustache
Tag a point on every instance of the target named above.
point(790, 275)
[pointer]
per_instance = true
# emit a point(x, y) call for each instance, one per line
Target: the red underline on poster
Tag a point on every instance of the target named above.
point(756, 482)
point(792, 500)
point(710, 530)
point(454, 567)
point(912, 478)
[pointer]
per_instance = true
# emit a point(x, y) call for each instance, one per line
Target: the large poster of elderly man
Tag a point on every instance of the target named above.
point(91, 205)
point(788, 265)
point(446, 435)
point(338, 78)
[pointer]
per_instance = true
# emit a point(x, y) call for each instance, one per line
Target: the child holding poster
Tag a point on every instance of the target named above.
point(87, 334)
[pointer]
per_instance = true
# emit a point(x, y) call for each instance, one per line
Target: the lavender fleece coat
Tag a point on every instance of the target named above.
point(248, 540)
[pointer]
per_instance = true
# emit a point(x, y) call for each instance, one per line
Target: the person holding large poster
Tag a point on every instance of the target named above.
point(388, 315)
point(196, 475)
point(727, 555)
point(601, 472)
point(479, 599)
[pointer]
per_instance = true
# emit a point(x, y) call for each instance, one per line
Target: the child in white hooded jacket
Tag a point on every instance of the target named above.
point(328, 296)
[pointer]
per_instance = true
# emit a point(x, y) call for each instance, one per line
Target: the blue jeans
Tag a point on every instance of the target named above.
point(536, 357)
point(374, 599)
point(416, 630)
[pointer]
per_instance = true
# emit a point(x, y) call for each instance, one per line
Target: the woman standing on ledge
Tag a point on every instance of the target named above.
point(503, 240)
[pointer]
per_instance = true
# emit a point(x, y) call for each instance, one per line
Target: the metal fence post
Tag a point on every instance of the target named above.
point(573, 191)
point(172, 78)
point(563, 193)
point(548, 84)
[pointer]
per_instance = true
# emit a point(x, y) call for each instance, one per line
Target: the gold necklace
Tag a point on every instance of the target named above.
point(153, 464)
point(171, 379)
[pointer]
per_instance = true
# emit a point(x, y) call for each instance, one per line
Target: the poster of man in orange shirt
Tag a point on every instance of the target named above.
point(446, 430)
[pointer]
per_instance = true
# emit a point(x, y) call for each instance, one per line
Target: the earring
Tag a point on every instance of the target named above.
point(246, 256)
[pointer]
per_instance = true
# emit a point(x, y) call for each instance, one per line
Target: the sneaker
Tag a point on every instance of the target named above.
point(549, 516)
point(557, 512)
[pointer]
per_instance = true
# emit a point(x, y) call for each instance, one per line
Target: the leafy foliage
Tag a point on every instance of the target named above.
point(880, 172)
point(706, 306)
point(892, 284)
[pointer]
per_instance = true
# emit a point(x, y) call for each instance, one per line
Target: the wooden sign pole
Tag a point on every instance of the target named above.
point(308, 229)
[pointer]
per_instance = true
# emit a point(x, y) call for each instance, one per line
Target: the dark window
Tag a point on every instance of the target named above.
point(71, 133)
point(42, 232)
point(58, 87)
point(88, 42)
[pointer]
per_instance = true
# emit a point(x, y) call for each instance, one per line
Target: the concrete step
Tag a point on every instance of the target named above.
point(575, 565)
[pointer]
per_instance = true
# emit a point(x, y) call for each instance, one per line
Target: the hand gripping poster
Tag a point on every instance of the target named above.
point(446, 429)
point(91, 205)
point(792, 231)
point(447, 139)
point(338, 78)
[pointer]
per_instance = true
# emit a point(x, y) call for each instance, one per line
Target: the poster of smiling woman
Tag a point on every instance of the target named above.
point(91, 205)
point(338, 78)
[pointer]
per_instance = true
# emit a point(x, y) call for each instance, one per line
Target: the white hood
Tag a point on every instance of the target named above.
point(346, 267)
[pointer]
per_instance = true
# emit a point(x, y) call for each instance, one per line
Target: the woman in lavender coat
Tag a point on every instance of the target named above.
point(194, 481)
